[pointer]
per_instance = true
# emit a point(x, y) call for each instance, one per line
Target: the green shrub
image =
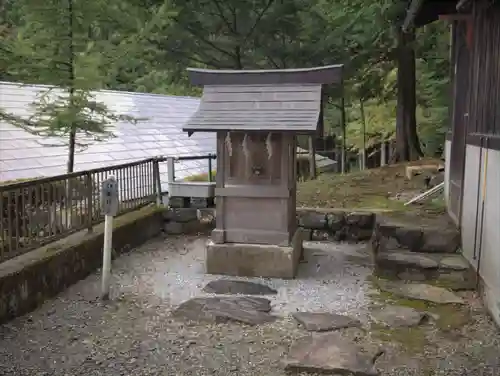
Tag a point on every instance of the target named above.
point(200, 177)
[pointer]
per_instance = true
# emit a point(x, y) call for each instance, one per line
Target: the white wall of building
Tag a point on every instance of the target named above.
point(481, 227)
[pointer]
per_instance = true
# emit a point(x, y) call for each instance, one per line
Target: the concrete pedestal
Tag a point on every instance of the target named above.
point(255, 260)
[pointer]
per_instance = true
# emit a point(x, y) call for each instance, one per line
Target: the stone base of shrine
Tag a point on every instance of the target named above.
point(255, 260)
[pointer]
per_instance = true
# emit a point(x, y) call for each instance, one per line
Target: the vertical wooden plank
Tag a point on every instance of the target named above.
point(344, 134)
point(383, 153)
point(293, 182)
point(312, 157)
point(220, 179)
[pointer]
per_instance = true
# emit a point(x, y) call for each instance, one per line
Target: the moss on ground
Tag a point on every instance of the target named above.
point(200, 177)
point(369, 189)
point(447, 317)
point(412, 339)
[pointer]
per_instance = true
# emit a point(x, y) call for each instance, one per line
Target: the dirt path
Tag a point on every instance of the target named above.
point(134, 334)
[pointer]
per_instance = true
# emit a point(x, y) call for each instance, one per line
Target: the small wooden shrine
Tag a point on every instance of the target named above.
point(257, 116)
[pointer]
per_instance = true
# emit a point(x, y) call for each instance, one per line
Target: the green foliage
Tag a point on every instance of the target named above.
point(145, 45)
point(200, 177)
point(61, 43)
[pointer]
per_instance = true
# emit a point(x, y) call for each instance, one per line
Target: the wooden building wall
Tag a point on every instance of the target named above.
point(483, 125)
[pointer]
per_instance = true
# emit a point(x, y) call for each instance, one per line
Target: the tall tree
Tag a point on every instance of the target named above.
point(59, 43)
point(407, 141)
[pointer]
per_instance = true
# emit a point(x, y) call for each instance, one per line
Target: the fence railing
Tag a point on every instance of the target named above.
point(171, 161)
point(36, 212)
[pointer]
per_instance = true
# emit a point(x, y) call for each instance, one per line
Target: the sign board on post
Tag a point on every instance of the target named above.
point(109, 196)
point(109, 207)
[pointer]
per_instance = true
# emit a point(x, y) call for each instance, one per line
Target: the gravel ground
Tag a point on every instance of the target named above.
point(134, 334)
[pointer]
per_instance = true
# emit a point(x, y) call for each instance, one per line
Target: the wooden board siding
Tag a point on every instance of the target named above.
point(291, 107)
point(483, 124)
point(256, 209)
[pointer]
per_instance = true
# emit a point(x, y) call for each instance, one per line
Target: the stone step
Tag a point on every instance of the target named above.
point(444, 269)
point(438, 238)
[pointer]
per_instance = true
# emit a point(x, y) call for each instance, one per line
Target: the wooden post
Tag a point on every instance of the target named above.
point(343, 123)
point(383, 153)
point(170, 169)
point(363, 129)
point(210, 176)
point(312, 158)
point(90, 201)
point(157, 181)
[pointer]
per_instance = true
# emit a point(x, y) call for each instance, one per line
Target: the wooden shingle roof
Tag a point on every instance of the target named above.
point(270, 100)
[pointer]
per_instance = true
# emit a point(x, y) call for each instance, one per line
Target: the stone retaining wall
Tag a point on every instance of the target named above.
point(28, 280)
point(335, 225)
point(188, 220)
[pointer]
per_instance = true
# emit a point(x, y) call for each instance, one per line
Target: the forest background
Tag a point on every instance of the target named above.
point(396, 84)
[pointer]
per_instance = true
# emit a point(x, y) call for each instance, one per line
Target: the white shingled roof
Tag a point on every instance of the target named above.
point(23, 155)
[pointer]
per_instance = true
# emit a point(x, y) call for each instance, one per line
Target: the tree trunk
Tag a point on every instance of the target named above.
point(72, 133)
point(363, 131)
point(407, 142)
point(343, 162)
point(71, 151)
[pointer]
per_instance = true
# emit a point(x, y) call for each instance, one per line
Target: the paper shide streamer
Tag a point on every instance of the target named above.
point(269, 145)
point(246, 152)
point(229, 145)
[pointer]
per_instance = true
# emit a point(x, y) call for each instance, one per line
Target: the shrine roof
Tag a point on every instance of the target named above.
point(270, 100)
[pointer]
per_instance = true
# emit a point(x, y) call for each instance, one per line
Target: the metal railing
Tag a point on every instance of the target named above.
point(36, 212)
point(172, 160)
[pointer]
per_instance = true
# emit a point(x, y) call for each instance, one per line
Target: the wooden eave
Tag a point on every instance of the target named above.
point(330, 74)
point(287, 100)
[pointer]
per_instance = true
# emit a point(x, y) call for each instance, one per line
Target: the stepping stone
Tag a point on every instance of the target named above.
point(454, 262)
point(398, 316)
point(330, 354)
point(322, 322)
point(407, 259)
point(421, 291)
point(224, 286)
point(247, 310)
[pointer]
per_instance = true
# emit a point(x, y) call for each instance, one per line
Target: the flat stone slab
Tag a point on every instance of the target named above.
point(408, 259)
point(330, 354)
point(454, 262)
point(323, 322)
point(245, 309)
point(398, 316)
point(421, 291)
point(224, 286)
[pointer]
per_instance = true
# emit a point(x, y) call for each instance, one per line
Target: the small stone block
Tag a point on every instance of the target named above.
point(174, 228)
point(335, 221)
point(181, 215)
point(319, 235)
point(361, 219)
point(201, 203)
point(312, 220)
point(440, 241)
point(178, 202)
